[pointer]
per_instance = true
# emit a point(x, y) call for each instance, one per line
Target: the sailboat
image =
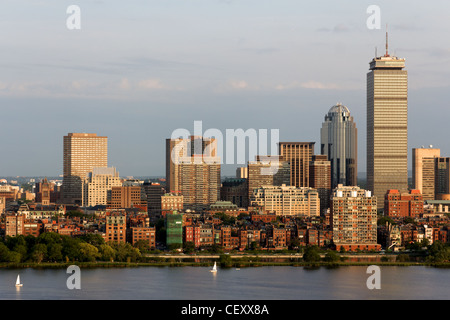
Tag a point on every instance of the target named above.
point(18, 284)
point(214, 268)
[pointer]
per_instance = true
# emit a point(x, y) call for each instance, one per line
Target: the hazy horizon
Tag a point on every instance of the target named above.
point(135, 72)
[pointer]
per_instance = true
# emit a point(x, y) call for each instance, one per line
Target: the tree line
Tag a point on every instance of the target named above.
point(54, 247)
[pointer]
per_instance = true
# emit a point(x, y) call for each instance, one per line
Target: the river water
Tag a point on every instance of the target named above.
point(254, 283)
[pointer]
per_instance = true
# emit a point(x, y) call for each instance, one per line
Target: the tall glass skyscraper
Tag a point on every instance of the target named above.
point(339, 142)
point(387, 125)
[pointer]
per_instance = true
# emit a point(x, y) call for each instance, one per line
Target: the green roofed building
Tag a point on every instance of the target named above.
point(174, 229)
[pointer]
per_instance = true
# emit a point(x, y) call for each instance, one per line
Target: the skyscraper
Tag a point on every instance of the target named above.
point(320, 179)
point(387, 125)
point(267, 171)
point(193, 170)
point(442, 178)
point(82, 153)
point(299, 155)
point(339, 142)
point(423, 170)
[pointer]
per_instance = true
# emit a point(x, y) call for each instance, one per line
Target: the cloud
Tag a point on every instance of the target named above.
point(151, 84)
point(240, 84)
point(339, 28)
point(124, 84)
point(307, 85)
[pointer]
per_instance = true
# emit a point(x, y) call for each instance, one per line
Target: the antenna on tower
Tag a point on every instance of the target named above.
point(387, 42)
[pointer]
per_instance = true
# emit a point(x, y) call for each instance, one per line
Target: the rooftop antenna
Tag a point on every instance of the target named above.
point(387, 42)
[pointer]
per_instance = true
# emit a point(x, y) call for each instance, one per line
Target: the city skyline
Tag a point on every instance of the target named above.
point(186, 72)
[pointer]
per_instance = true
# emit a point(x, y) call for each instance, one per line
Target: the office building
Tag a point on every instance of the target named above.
point(126, 197)
point(442, 178)
point(387, 125)
point(339, 143)
point(97, 186)
point(242, 173)
point(153, 191)
point(235, 191)
point(320, 179)
point(299, 155)
point(82, 153)
point(267, 171)
point(424, 170)
point(193, 170)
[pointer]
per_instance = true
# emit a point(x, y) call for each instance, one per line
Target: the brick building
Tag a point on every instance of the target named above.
point(401, 204)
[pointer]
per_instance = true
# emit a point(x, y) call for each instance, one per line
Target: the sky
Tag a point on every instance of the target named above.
point(137, 71)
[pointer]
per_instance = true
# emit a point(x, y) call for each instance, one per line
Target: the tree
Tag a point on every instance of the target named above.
point(254, 245)
point(4, 253)
point(54, 252)
point(94, 239)
point(107, 253)
point(311, 254)
point(39, 252)
point(225, 260)
point(332, 256)
point(88, 252)
point(22, 250)
point(50, 237)
point(295, 243)
point(143, 246)
point(189, 247)
point(126, 252)
point(438, 252)
point(70, 249)
point(14, 257)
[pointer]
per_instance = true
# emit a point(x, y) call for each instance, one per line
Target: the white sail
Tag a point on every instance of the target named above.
point(214, 269)
point(18, 284)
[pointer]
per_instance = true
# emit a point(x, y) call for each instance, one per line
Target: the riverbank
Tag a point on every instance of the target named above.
point(235, 261)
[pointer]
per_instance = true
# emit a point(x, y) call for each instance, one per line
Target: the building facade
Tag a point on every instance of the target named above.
point(267, 171)
point(235, 191)
point(82, 153)
point(442, 178)
point(116, 226)
point(299, 155)
point(193, 170)
point(126, 197)
point(339, 141)
point(354, 219)
point(97, 186)
point(320, 179)
point(171, 202)
point(423, 170)
point(387, 126)
point(287, 200)
point(403, 204)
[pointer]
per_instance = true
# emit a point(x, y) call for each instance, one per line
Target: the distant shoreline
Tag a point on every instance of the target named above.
point(236, 261)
